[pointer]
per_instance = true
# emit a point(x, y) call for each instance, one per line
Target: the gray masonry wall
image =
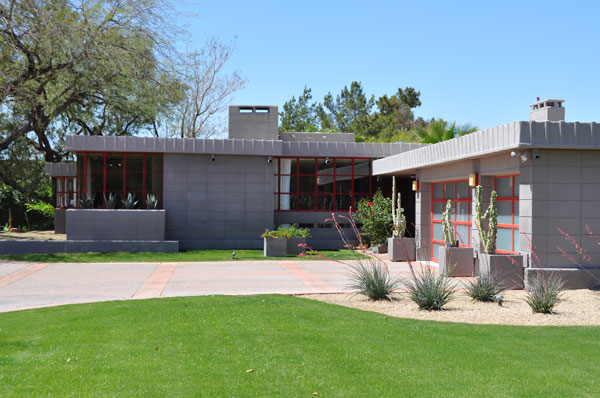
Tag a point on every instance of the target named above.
point(225, 204)
point(561, 189)
point(119, 224)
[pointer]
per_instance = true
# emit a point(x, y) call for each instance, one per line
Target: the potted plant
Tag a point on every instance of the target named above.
point(376, 220)
point(275, 244)
point(296, 238)
point(507, 267)
point(453, 260)
point(400, 248)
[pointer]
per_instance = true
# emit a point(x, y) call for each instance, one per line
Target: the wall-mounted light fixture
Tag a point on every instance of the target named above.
point(270, 159)
point(213, 158)
point(415, 185)
point(473, 180)
point(327, 160)
point(523, 157)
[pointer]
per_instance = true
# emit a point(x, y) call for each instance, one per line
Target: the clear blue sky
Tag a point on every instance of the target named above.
point(481, 62)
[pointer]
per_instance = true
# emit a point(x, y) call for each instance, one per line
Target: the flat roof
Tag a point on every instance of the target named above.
point(510, 136)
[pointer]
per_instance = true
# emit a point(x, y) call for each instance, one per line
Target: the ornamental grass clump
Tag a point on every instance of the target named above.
point(430, 291)
point(485, 288)
point(372, 278)
point(545, 292)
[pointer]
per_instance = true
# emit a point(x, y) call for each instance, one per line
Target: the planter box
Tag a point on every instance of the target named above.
point(275, 247)
point(509, 268)
point(401, 249)
point(456, 261)
point(116, 224)
point(292, 245)
point(379, 249)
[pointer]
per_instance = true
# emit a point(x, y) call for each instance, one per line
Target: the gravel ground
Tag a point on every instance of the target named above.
point(578, 307)
point(32, 235)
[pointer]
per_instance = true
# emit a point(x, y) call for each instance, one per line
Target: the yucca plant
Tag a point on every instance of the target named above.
point(151, 202)
point(129, 202)
point(545, 292)
point(87, 202)
point(111, 201)
point(485, 288)
point(372, 278)
point(429, 290)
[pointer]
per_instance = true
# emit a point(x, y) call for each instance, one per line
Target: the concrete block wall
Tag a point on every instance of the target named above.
point(561, 189)
point(113, 225)
point(225, 204)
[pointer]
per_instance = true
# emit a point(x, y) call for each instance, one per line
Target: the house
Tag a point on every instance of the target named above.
point(223, 193)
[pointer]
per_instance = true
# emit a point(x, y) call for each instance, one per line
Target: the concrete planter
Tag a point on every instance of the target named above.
point(379, 249)
point(509, 268)
point(292, 245)
point(116, 224)
point(275, 247)
point(401, 249)
point(456, 261)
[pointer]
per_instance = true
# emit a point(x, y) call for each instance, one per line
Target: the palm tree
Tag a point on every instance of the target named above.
point(438, 130)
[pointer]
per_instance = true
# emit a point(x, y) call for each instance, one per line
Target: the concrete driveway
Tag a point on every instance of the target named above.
point(33, 285)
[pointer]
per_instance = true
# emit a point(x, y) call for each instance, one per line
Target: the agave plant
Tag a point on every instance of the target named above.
point(151, 201)
point(87, 202)
point(129, 202)
point(111, 201)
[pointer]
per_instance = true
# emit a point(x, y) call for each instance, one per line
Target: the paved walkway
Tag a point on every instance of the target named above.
point(33, 285)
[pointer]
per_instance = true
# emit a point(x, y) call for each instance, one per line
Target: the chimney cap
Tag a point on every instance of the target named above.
point(540, 102)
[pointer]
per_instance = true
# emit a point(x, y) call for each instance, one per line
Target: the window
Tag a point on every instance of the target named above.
point(321, 184)
point(459, 193)
point(65, 192)
point(102, 174)
point(507, 188)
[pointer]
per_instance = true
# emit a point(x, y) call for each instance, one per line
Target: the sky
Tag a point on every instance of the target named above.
point(479, 62)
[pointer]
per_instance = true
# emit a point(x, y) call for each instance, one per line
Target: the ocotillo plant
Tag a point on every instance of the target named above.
point(397, 213)
point(447, 227)
point(488, 237)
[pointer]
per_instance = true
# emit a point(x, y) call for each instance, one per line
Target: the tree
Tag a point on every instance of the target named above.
point(301, 115)
point(350, 110)
point(88, 67)
point(207, 89)
point(438, 130)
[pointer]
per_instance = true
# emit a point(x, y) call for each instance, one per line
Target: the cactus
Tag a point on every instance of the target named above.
point(151, 201)
point(111, 201)
point(129, 202)
point(398, 216)
point(447, 227)
point(488, 238)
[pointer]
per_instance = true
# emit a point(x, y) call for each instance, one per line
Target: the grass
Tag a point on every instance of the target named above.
point(204, 346)
point(190, 255)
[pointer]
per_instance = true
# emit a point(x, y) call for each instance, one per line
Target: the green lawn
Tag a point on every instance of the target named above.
point(190, 255)
point(204, 346)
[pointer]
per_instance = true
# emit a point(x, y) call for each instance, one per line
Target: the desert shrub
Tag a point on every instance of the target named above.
point(485, 288)
point(429, 290)
point(372, 278)
point(290, 231)
point(544, 292)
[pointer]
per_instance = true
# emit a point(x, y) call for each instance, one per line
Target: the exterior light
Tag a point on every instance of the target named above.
point(212, 158)
point(473, 180)
point(415, 185)
point(524, 157)
point(270, 159)
point(327, 160)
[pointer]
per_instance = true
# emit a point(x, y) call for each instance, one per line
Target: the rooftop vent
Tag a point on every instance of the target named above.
point(253, 122)
point(549, 110)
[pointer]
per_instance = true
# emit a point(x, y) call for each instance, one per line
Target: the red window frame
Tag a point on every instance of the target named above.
point(61, 182)
point(454, 208)
point(515, 202)
point(82, 193)
point(316, 175)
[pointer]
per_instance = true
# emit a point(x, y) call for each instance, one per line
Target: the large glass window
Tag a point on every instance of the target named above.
point(65, 193)
point(102, 174)
point(459, 193)
point(321, 184)
point(507, 188)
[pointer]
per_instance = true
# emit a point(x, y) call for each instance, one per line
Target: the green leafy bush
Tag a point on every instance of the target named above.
point(372, 278)
point(376, 218)
point(291, 231)
point(485, 288)
point(46, 209)
point(429, 290)
point(545, 292)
